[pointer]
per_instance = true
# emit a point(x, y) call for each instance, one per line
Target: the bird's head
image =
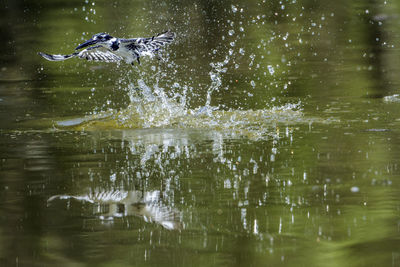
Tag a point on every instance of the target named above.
point(102, 39)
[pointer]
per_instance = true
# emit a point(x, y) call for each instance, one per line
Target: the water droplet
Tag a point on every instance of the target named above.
point(231, 32)
point(355, 189)
point(271, 69)
point(241, 51)
point(234, 9)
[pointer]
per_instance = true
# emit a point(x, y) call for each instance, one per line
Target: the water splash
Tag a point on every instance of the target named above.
point(155, 103)
point(168, 113)
point(216, 80)
point(150, 106)
point(392, 98)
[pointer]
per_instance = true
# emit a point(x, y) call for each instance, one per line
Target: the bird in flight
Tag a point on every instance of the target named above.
point(104, 47)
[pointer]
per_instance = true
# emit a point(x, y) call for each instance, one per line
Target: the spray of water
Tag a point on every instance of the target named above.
point(153, 102)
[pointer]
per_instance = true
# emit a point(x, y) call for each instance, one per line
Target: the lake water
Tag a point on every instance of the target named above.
point(268, 135)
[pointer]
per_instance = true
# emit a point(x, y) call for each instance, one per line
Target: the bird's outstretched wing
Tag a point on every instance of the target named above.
point(99, 54)
point(95, 53)
point(150, 44)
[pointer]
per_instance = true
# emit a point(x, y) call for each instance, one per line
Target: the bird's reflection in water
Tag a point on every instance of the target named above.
point(119, 203)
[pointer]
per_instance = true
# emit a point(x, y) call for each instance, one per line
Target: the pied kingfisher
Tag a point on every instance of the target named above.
point(104, 47)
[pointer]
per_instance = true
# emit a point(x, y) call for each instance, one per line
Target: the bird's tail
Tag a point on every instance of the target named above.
point(56, 57)
point(163, 38)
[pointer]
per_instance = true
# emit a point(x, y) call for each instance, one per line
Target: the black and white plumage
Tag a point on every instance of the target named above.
point(147, 205)
point(104, 47)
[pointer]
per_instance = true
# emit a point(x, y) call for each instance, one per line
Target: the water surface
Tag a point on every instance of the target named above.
point(269, 136)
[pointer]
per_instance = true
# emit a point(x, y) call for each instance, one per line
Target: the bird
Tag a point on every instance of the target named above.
point(104, 47)
point(117, 203)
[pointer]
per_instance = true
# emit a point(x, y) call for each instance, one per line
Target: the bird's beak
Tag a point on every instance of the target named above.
point(87, 43)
